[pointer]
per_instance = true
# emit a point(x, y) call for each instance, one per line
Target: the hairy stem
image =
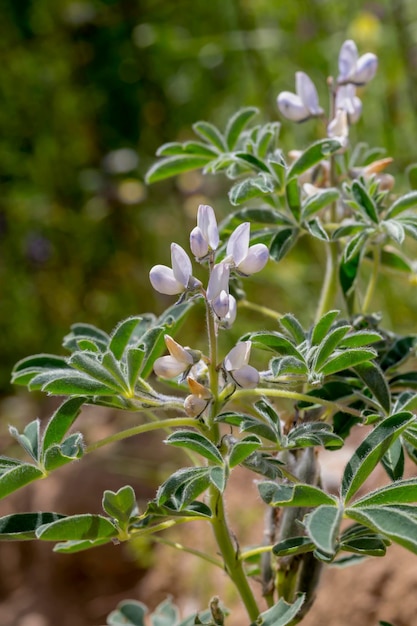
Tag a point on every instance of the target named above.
point(263, 310)
point(331, 281)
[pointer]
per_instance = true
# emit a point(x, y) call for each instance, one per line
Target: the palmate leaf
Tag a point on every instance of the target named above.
point(371, 450)
point(182, 487)
point(275, 342)
point(328, 345)
point(120, 505)
point(403, 203)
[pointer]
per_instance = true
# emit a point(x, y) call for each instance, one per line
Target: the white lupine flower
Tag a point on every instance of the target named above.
point(218, 290)
point(353, 68)
point(247, 260)
point(176, 280)
point(178, 361)
point(303, 104)
point(229, 319)
point(338, 128)
point(347, 99)
point(236, 364)
point(205, 236)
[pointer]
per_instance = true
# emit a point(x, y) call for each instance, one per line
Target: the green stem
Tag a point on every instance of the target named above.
point(263, 310)
point(331, 281)
point(373, 279)
point(230, 553)
point(142, 428)
point(182, 548)
point(293, 395)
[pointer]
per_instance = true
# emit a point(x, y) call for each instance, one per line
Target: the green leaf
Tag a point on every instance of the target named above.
point(288, 366)
point(134, 361)
point(77, 527)
point(29, 439)
point(77, 384)
point(371, 450)
point(293, 198)
point(276, 342)
point(282, 243)
point(323, 326)
point(369, 546)
point(242, 449)
point(396, 261)
point(253, 161)
point(23, 526)
point(120, 504)
point(314, 154)
point(293, 546)
point(322, 526)
point(293, 326)
point(393, 460)
point(212, 134)
point(319, 201)
point(254, 187)
point(89, 364)
point(395, 523)
point(316, 229)
point(85, 331)
point(365, 202)
point(398, 352)
point(70, 547)
point(218, 476)
point(360, 338)
point(403, 203)
point(61, 421)
point(346, 360)
point(28, 368)
point(165, 614)
point(177, 482)
point(174, 165)
point(128, 613)
point(299, 495)
point(197, 443)
point(18, 477)
point(281, 614)
point(124, 332)
point(59, 454)
point(376, 382)
point(247, 423)
point(328, 345)
point(314, 434)
point(400, 492)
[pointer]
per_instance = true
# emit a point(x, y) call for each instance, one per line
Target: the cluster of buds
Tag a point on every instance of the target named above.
point(354, 71)
point(241, 258)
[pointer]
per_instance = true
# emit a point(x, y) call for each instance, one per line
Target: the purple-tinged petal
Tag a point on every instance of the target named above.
point(246, 377)
point(307, 91)
point(238, 356)
point(198, 244)
point(255, 260)
point(181, 264)
point(163, 280)
point(218, 281)
point(220, 304)
point(169, 367)
point(348, 57)
point(366, 68)
point(238, 244)
point(206, 221)
point(292, 107)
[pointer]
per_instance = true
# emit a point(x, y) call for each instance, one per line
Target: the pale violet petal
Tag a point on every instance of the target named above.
point(292, 107)
point(348, 57)
point(229, 319)
point(220, 304)
point(255, 260)
point(338, 127)
point(206, 220)
point(238, 356)
point(308, 93)
point(198, 243)
point(163, 280)
point(366, 68)
point(169, 367)
point(238, 244)
point(178, 352)
point(246, 377)
point(218, 281)
point(181, 264)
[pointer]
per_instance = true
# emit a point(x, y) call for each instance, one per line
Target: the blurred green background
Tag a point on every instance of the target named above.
point(90, 89)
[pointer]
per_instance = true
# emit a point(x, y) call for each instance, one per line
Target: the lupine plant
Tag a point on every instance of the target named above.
point(315, 386)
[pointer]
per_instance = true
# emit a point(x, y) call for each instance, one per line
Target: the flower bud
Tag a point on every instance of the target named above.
point(205, 236)
point(247, 260)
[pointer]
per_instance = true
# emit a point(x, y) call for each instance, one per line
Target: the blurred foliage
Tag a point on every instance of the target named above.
point(90, 89)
